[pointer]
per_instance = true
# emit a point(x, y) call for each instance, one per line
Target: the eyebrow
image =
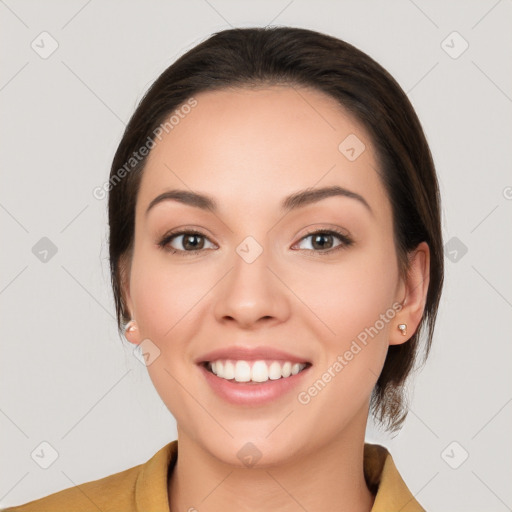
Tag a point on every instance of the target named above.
point(292, 202)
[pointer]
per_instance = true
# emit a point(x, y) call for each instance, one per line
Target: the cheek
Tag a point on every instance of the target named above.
point(350, 295)
point(166, 300)
point(357, 306)
point(165, 295)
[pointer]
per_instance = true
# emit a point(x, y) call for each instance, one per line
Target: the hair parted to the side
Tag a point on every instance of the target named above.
point(252, 57)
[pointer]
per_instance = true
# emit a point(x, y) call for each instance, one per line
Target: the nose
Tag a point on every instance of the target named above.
point(252, 295)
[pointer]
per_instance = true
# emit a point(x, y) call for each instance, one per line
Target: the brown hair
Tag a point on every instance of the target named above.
point(245, 57)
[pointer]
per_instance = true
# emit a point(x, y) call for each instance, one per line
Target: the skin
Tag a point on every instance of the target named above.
point(249, 149)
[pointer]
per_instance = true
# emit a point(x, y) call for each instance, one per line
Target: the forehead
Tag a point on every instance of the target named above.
point(244, 145)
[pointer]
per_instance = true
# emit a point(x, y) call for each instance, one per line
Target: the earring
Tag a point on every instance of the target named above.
point(403, 329)
point(130, 326)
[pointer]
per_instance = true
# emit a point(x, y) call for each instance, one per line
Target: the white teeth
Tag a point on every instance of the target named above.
point(229, 370)
point(274, 371)
point(242, 371)
point(260, 371)
point(286, 370)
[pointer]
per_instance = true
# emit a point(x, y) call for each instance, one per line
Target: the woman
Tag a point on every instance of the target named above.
point(276, 252)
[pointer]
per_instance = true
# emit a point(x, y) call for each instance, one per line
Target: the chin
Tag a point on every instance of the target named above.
point(252, 451)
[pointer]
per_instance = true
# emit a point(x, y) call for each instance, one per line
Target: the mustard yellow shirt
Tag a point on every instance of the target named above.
point(143, 488)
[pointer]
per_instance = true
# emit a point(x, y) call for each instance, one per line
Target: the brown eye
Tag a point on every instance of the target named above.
point(184, 241)
point(325, 241)
point(192, 242)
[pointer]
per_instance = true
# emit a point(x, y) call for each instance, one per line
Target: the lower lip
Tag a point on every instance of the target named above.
point(253, 393)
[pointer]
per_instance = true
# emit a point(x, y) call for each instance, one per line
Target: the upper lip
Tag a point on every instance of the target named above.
point(249, 354)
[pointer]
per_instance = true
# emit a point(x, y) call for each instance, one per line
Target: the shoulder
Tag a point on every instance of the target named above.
point(95, 495)
point(130, 490)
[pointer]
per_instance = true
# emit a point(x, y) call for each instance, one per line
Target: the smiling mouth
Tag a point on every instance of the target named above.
point(258, 371)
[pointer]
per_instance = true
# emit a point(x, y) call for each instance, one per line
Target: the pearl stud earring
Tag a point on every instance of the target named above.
point(403, 329)
point(130, 326)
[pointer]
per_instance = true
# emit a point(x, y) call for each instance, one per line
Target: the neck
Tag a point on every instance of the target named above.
point(325, 477)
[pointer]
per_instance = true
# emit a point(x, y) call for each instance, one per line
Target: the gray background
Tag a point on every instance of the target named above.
point(65, 376)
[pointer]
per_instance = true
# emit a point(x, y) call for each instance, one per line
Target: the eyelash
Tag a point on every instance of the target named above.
point(345, 241)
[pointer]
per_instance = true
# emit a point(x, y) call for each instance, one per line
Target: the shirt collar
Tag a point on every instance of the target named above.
point(384, 480)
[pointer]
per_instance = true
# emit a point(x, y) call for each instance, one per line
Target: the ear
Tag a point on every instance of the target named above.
point(132, 334)
point(412, 294)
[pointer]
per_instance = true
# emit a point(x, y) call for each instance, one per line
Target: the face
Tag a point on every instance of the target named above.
point(249, 279)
